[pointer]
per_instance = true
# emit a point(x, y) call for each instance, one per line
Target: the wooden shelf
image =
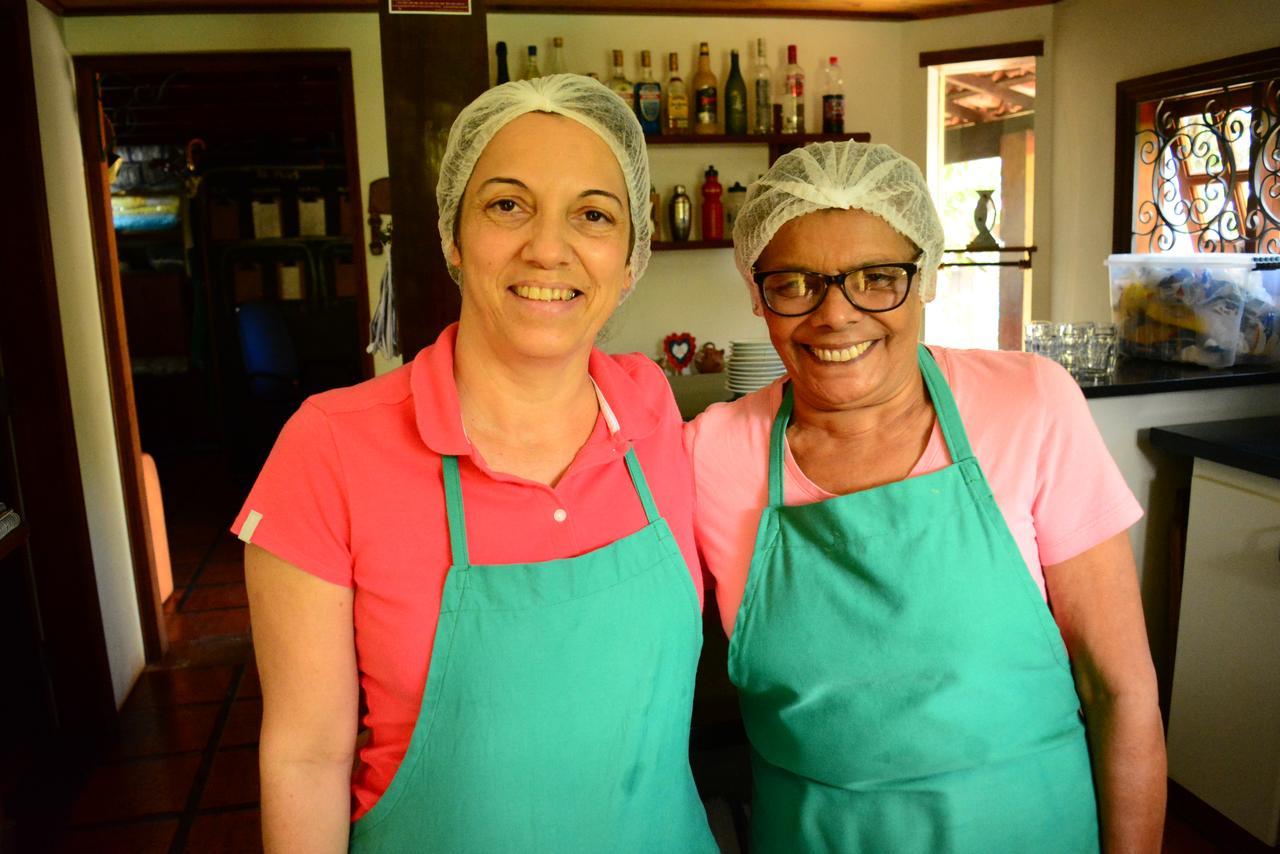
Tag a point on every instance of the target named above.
point(15, 538)
point(672, 245)
point(793, 140)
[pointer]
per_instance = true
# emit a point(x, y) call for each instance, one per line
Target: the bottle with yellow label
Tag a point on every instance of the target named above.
point(677, 117)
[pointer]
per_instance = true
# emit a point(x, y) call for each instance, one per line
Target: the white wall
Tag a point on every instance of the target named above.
point(699, 291)
point(356, 32)
point(78, 303)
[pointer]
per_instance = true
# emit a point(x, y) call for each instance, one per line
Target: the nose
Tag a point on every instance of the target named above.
point(548, 245)
point(835, 310)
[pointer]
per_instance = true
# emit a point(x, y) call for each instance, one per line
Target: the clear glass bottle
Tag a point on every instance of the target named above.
point(762, 76)
point(677, 120)
point(648, 96)
point(503, 75)
point(705, 108)
point(832, 97)
point(531, 64)
point(555, 61)
point(793, 95)
point(735, 99)
point(619, 82)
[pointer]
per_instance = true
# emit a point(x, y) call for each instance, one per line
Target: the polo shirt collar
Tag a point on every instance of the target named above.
point(439, 415)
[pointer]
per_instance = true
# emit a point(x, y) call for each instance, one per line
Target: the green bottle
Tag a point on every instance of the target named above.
point(735, 99)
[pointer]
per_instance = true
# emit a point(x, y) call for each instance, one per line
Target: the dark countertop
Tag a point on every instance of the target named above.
point(1252, 444)
point(1140, 376)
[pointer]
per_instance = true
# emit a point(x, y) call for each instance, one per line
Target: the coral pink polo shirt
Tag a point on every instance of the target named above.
point(352, 493)
point(1027, 422)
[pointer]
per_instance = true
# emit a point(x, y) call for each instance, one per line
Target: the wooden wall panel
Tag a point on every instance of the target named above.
point(432, 66)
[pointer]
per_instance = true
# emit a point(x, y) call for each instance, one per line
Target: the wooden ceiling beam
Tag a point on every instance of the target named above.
point(882, 10)
point(987, 86)
point(967, 115)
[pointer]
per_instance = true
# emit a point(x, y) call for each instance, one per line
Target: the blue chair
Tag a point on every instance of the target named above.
point(266, 348)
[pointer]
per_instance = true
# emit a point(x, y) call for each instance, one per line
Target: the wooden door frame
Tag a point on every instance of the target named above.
point(46, 460)
point(124, 409)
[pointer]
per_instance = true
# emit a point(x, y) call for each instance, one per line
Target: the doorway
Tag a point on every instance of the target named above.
point(983, 139)
point(225, 200)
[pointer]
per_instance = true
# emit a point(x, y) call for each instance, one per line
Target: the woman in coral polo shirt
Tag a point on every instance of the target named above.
point(494, 542)
point(882, 527)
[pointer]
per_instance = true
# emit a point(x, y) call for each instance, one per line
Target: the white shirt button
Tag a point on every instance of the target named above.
point(560, 515)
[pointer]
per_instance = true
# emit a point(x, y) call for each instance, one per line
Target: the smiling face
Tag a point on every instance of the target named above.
point(543, 238)
point(838, 356)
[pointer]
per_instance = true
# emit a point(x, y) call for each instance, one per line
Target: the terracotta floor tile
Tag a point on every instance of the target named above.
point(208, 597)
point(136, 788)
point(205, 652)
point(227, 571)
point(233, 780)
point(143, 837)
point(153, 730)
point(249, 684)
point(186, 626)
point(243, 724)
point(228, 547)
point(168, 687)
point(217, 833)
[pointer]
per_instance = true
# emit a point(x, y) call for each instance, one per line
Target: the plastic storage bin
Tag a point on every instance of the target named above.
point(1180, 308)
point(1260, 320)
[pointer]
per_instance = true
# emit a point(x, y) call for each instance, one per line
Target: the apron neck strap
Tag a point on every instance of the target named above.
point(456, 517)
point(777, 446)
point(944, 406)
point(642, 486)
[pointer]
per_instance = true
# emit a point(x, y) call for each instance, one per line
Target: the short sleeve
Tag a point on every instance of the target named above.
point(1081, 498)
point(297, 508)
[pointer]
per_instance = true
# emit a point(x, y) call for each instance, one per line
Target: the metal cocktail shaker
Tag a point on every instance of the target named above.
point(681, 214)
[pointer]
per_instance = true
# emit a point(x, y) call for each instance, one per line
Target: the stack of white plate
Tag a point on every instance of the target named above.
point(752, 365)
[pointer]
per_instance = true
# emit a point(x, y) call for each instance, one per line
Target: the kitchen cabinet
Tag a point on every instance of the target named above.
point(1224, 724)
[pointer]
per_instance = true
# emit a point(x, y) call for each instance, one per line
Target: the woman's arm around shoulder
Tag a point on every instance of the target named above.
point(1098, 608)
point(303, 637)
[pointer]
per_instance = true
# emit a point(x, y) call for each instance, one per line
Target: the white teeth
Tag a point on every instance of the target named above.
point(545, 294)
point(841, 355)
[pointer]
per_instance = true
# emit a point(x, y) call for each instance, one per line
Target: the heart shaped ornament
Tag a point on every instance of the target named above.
point(679, 349)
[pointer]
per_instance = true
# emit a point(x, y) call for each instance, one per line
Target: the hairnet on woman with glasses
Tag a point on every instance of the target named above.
point(920, 553)
point(494, 543)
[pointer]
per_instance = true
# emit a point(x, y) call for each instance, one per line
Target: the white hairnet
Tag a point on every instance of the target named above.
point(586, 101)
point(840, 175)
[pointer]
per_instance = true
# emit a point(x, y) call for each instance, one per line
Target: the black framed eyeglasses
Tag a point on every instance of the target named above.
point(873, 288)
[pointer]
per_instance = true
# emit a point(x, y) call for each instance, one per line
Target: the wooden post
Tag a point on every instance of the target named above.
point(1017, 190)
point(432, 66)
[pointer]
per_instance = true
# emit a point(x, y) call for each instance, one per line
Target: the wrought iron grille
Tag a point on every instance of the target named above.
point(1206, 171)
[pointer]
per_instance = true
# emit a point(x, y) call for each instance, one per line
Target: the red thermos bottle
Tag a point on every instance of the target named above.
point(712, 209)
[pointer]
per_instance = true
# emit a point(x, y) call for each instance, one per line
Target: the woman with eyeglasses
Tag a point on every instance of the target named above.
point(920, 554)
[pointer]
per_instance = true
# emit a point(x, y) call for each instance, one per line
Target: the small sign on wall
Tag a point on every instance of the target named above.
point(430, 7)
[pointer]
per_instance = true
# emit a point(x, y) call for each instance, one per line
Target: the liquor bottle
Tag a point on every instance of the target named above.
point(793, 95)
point(531, 64)
point(832, 98)
point(712, 207)
point(677, 120)
point(555, 62)
point(648, 97)
point(763, 77)
point(735, 99)
point(619, 82)
point(503, 75)
point(705, 112)
point(681, 210)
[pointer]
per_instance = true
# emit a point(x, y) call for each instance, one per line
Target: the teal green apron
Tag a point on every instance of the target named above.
point(903, 684)
point(555, 716)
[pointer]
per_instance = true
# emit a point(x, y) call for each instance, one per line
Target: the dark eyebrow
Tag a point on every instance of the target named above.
point(586, 193)
point(500, 180)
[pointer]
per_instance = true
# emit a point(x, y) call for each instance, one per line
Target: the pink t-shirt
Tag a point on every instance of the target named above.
point(352, 493)
point(1029, 426)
